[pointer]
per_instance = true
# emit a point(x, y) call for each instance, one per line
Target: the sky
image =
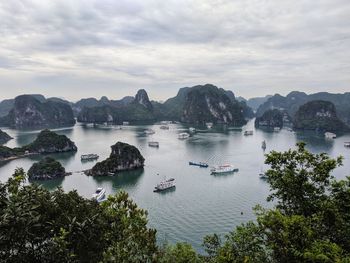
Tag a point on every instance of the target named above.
point(78, 49)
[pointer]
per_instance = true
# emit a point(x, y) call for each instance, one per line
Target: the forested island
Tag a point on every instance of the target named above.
point(47, 168)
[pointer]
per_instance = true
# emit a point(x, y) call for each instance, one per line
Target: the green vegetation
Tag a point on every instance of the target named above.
point(310, 222)
point(270, 119)
point(47, 168)
point(123, 157)
point(318, 115)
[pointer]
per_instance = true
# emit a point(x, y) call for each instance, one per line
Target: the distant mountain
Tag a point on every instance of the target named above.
point(31, 112)
point(255, 103)
point(318, 115)
point(271, 119)
point(7, 105)
point(295, 99)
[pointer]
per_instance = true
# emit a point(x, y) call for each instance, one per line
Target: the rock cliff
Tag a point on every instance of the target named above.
point(47, 168)
point(4, 137)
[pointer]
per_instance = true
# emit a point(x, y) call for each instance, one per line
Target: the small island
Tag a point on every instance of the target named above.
point(4, 137)
point(47, 168)
point(318, 115)
point(270, 119)
point(122, 158)
point(46, 142)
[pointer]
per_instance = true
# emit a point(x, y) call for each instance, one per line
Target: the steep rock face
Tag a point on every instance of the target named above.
point(142, 99)
point(4, 137)
point(48, 168)
point(270, 119)
point(318, 115)
point(209, 104)
point(123, 157)
point(50, 142)
point(29, 112)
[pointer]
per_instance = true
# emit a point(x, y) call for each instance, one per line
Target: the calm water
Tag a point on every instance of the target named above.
point(202, 203)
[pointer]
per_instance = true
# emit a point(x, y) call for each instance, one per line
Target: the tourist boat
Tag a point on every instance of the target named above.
point(164, 185)
point(125, 123)
point(200, 164)
point(347, 144)
point(276, 129)
point(209, 125)
point(149, 132)
point(183, 135)
point(164, 127)
point(91, 156)
point(330, 135)
point(246, 133)
point(263, 145)
point(153, 144)
point(99, 194)
point(221, 169)
point(191, 129)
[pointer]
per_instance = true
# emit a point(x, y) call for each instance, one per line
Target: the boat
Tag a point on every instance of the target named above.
point(263, 175)
point(125, 123)
point(153, 144)
point(183, 135)
point(164, 127)
point(221, 169)
point(200, 164)
point(191, 129)
point(276, 129)
point(330, 135)
point(149, 132)
point(263, 145)
point(164, 185)
point(209, 125)
point(246, 133)
point(99, 194)
point(91, 156)
point(347, 144)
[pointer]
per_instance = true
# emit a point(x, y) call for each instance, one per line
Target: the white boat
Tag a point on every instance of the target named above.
point(99, 195)
point(164, 127)
point(164, 185)
point(246, 133)
point(347, 144)
point(153, 144)
point(209, 125)
point(91, 156)
point(330, 135)
point(221, 169)
point(125, 123)
point(183, 135)
point(191, 129)
point(149, 132)
point(276, 129)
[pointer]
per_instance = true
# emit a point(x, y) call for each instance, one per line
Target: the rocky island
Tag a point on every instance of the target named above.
point(4, 137)
point(46, 142)
point(47, 168)
point(30, 112)
point(122, 158)
point(318, 115)
point(271, 119)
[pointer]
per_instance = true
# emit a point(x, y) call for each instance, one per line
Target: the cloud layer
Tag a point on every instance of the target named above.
point(86, 48)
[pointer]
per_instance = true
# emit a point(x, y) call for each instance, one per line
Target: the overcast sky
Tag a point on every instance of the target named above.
point(77, 49)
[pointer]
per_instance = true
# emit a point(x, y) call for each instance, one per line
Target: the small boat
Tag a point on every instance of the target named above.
point(200, 164)
point(183, 135)
point(246, 133)
point(191, 129)
point(263, 145)
point(149, 132)
point(330, 135)
point(276, 129)
point(164, 185)
point(153, 144)
point(99, 195)
point(87, 157)
point(221, 169)
point(209, 125)
point(164, 127)
point(263, 175)
point(347, 144)
point(125, 123)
